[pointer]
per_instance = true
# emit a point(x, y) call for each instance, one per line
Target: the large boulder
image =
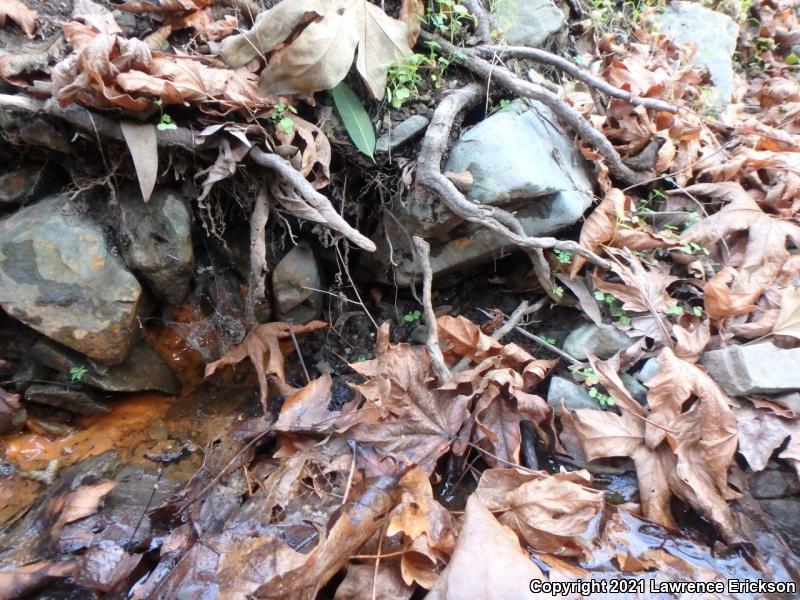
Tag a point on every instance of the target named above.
point(156, 241)
point(520, 159)
point(525, 22)
point(58, 276)
point(714, 35)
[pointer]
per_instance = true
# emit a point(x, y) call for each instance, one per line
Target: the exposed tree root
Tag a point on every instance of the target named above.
point(422, 252)
point(104, 127)
point(501, 222)
point(562, 64)
point(497, 75)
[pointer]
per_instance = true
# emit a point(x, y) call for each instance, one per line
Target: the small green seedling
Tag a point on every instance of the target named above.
point(693, 248)
point(403, 78)
point(601, 398)
point(165, 123)
point(280, 115)
point(614, 307)
point(564, 257)
point(77, 373)
point(412, 316)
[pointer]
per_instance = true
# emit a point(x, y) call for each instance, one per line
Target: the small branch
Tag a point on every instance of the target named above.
point(482, 32)
point(497, 75)
point(258, 255)
point(430, 177)
point(314, 199)
point(422, 250)
point(548, 58)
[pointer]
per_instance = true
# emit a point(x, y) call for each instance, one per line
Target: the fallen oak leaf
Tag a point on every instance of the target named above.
point(261, 346)
point(23, 16)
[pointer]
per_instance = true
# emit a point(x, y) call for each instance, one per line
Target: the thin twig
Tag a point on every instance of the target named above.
point(548, 58)
point(299, 354)
point(353, 285)
point(555, 349)
point(423, 252)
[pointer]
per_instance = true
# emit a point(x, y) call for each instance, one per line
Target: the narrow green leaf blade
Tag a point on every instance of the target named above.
point(355, 119)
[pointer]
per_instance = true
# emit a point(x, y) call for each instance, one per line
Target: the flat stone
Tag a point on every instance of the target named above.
point(575, 396)
point(156, 241)
point(649, 370)
point(292, 282)
point(758, 369)
point(774, 484)
point(75, 401)
point(637, 390)
point(603, 341)
point(714, 34)
point(404, 132)
point(525, 22)
point(58, 276)
point(143, 369)
point(785, 513)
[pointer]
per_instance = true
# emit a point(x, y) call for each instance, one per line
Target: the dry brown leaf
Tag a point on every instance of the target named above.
point(503, 573)
point(427, 529)
point(557, 514)
point(412, 13)
point(23, 16)
point(788, 322)
point(765, 252)
point(607, 372)
point(600, 226)
point(307, 408)
point(143, 146)
point(691, 340)
point(720, 302)
point(320, 56)
point(605, 434)
point(262, 348)
point(419, 424)
point(20, 581)
point(760, 434)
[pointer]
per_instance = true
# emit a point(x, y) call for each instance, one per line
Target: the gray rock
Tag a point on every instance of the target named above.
point(603, 341)
point(574, 396)
point(58, 276)
point(790, 400)
point(648, 371)
point(637, 390)
point(525, 22)
point(75, 401)
point(773, 484)
point(714, 35)
point(143, 369)
point(759, 369)
point(25, 184)
point(521, 160)
point(156, 241)
point(404, 132)
point(785, 513)
point(292, 281)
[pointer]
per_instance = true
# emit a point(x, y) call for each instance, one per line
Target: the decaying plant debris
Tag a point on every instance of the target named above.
point(441, 468)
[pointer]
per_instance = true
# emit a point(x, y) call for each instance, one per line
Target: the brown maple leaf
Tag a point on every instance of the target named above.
point(19, 13)
point(261, 346)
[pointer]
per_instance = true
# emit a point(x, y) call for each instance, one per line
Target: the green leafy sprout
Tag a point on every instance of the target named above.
point(447, 18)
point(403, 78)
point(165, 122)
point(590, 378)
point(280, 115)
point(614, 307)
point(77, 373)
point(564, 257)
point(412, 316)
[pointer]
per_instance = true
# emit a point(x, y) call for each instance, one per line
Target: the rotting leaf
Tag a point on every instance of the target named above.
point(321, 55)
point(12, 415)
point(788, 322)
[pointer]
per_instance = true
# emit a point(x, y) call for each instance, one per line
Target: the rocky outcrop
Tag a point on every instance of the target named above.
point(156, 241)
point(58, 276)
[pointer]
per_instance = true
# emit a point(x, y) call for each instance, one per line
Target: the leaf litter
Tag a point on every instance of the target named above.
point(318, 498)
